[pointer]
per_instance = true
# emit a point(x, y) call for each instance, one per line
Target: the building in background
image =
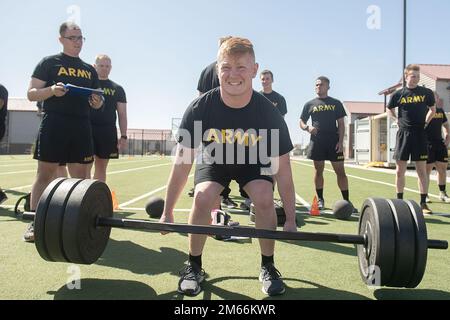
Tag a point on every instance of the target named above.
point(22, 126)
point(357, 110)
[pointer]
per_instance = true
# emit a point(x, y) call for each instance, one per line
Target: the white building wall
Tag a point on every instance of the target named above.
point(444, 93)
point(23, 127)
point(427, 82)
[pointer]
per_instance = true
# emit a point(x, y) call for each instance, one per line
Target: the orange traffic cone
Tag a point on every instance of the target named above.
point(315, 208)
point(115, 203)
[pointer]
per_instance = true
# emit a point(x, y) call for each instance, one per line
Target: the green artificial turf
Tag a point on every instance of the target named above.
point(145, 265)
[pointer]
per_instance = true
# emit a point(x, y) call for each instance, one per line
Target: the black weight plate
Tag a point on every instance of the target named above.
point(40, 217)
point(54, 220)
point(83, 241)
point(376, 261)
point(404, 244)
point(421, 253)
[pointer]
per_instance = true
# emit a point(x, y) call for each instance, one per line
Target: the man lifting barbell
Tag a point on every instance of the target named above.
point(235, 126)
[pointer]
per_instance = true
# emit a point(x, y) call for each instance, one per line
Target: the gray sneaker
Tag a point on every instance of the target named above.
point(29, 234)
point(191, 276)
point(271, 280)
point(321, 204)
point(228, 203)
point(444, 197)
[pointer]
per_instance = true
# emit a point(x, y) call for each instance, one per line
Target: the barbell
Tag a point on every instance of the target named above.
point(74, 218)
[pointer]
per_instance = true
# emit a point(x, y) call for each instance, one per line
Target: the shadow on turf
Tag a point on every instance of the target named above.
point(16, 193)
point(318, 292)
point(124, 214)
point(127, 255)
point(436, 221)
point(411, 294)
point(96, 289)
point(10, 213)
point(326, 246)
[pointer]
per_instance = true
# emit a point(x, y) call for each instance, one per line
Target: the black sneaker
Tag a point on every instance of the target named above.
point(29, 234)
point(271, 280)
point(425, 209)
point(3, 196)
point(228, 203)
point(244, 206)
point(191, 276)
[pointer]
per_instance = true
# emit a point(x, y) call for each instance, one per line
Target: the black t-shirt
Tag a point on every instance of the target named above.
point(208, 79)
point(434, 129)
point(66, 69)
point(4, 110)
point(412, 106)
point(113, 94)
point(246, 136)
point(324, 114)
point(277, 100)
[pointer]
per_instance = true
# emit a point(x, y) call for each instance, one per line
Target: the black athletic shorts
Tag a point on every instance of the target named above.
point(64, 139)
point(411, 145)
point(323, 147)
point(105, 142)
point(223, 174)
point(437, 152)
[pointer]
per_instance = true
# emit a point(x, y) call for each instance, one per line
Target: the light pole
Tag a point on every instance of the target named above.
point(404, 40)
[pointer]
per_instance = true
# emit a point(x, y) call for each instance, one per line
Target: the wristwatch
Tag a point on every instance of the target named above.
point(307, 128)
point(124, 137)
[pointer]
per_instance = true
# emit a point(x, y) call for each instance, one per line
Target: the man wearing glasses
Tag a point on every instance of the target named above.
point(65, 134)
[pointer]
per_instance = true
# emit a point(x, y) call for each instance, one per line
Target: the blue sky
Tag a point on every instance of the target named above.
point(160, 47)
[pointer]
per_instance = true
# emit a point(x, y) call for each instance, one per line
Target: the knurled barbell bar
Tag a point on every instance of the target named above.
point(74, 218)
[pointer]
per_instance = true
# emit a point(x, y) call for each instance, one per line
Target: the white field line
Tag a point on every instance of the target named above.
point(19, 188)
point(125, 204)
point(370, 180)
point(410, 174)
point(16, 172)
point(115, 162)
point(138, 169)
point(111, 163)
point(19, 165)
point(109, 173)
point(143, 209)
